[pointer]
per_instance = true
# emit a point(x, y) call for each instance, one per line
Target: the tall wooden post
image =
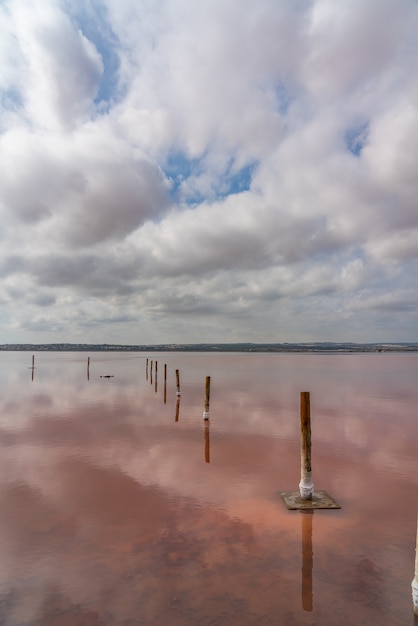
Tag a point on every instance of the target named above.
point(306, 498)
point(178, 382)
point(146, 370)
point(207, 396)
point(156, 376)
point(305, 486)
point(88, 368)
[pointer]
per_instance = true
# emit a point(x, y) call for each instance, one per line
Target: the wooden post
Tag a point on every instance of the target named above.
point(177, 408)
point(207, 396)
point(165, 373)
point(156, 376)
point(88, 368)
point(146, 370)
point(33, 361)
point(178, 382)
point(305, 486)
point(414, 584)
point(307, 560)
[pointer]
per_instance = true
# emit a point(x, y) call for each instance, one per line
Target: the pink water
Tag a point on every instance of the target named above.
point(120, 505)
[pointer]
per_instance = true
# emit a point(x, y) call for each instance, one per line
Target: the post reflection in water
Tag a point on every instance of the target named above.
point(307, 560)
point(177, 408)
point(207, 442)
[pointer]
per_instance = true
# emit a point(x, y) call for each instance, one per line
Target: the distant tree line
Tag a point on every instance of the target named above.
point(216, 347)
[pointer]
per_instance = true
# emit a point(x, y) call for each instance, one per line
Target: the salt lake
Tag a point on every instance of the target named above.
point(121, 505)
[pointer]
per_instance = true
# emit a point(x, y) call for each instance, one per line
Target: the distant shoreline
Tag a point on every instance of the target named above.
point(322, 347)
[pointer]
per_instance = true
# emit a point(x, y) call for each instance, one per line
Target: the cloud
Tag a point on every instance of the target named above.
point(60, 68)
point(234, 163)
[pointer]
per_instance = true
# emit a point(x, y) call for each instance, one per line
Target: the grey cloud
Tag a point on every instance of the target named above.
point(235, 234)
point(11, 264)
point(95, 274)
point(44, 299)
point(118, 199)
point(83, 197)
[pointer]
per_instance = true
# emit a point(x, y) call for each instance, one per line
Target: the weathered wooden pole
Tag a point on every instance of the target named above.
point(178, 382)
point(415, 581)
point(207, 396)
point(146, 370)
point(305, 486)
point(307, 560)
point(165, 383)
point(306, 498)
point(177, 408)
point(156, 376)
point(88, 368)
point(33, 361)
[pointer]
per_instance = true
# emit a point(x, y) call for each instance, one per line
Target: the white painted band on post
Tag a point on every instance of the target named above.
point(205, 415)
point(178, 393)
point(306, 487)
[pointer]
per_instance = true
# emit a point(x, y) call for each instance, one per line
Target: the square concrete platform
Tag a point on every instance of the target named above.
point(320, 500)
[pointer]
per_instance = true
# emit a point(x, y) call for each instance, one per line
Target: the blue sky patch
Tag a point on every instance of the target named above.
point(180, 169)
point(284, 98)
point(355, 138)
point(241, 181)
point(97, 29)
point(11, 99)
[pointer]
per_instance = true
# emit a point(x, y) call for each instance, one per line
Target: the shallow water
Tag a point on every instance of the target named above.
point(120, 505)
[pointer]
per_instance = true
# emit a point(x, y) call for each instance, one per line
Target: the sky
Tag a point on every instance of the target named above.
point(209, 171)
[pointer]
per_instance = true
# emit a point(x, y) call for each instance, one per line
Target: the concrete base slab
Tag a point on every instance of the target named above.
point(320, 500)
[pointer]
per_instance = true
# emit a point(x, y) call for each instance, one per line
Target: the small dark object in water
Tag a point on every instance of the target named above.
point(108, 376)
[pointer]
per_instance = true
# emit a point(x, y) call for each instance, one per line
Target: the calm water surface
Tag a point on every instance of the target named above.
point(120, 505)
